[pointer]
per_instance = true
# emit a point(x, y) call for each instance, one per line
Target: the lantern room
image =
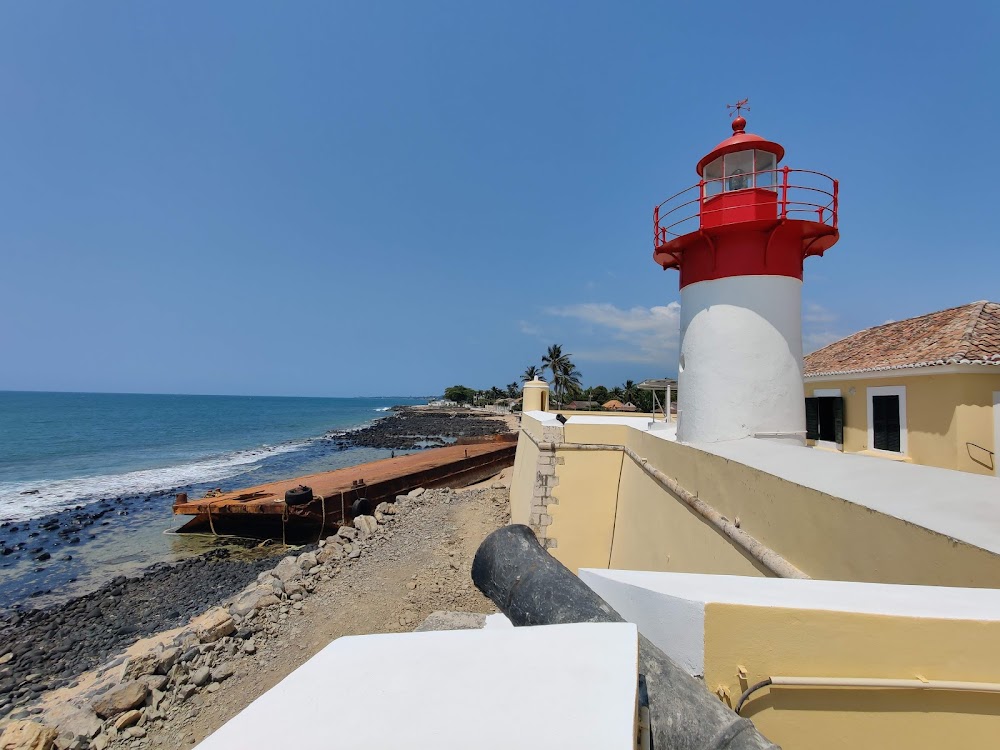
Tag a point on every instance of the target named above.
point(781, 215)
point(740, 179)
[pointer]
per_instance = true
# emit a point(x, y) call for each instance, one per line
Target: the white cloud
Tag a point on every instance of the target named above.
point(529, 329)
point(816, 314)
point(819, 326)
point(637, 334)
point(813, 340)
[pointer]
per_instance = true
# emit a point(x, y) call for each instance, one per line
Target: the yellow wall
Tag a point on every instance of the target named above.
point(943, 414)
point(609, 513)
point(653, 531)
point(583, 518)
point(523, 478)
point(770, 641)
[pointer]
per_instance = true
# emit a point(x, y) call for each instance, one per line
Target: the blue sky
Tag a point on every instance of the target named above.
point(386, 198)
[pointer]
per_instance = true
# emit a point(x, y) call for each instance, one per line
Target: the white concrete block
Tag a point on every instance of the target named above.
point(669, 608)
point(540, 687)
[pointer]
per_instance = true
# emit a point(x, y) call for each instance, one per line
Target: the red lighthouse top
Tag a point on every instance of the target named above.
point(740, 140)
point(746, 216)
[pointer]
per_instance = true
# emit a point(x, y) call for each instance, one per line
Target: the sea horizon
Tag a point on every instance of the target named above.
point(59, 449)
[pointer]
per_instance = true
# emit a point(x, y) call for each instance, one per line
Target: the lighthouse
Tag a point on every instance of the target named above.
point(739, 238)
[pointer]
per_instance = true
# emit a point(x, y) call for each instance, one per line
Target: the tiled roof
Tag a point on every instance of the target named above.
point(960, 335)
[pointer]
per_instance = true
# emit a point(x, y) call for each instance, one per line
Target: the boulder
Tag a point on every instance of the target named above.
point(417, 492)
point(155, 681)
point(288, 569)
point(27, 735)
point(380, 516)
point(120, 699)
point(167, 658)
point(140, 665)
point(330, 552)
point(382, 508)
point(200, 676)
point(77, 722)
point(223, 672)
point(307, 561)
point(216, 623)
point(346, 532)
point(128, 719)
point(366, 526)
point(258, 598)
point(295, 588)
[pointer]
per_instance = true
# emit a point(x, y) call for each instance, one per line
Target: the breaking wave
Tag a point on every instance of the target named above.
point(23, 500)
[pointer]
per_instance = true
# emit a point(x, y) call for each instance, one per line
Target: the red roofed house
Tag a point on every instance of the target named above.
point(924, 390)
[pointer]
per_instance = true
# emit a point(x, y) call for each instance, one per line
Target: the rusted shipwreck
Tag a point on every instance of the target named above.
point(337, 496)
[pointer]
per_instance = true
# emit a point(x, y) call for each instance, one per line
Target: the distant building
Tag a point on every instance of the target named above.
point(582, 405)
point(924, 390)
point(616, 405)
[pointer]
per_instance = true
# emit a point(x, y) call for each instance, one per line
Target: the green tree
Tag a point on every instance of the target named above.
point(460, 394)
point(530, 373)
point(511, 390)
point(565, 376)
point(630, 391)
point(599, 394)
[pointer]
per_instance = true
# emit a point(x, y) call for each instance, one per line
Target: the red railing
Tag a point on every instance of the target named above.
point(808, 196)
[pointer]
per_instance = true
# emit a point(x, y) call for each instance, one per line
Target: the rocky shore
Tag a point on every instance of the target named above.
point(414, 428)
point(384, 573)
point(46, 649)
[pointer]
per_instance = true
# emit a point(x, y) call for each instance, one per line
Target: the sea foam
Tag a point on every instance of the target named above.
point(49, 496)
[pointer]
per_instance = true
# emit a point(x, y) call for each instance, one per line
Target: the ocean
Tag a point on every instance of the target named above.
point(125, 455)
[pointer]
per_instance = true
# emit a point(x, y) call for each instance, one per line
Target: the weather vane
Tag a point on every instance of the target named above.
point(740, 105)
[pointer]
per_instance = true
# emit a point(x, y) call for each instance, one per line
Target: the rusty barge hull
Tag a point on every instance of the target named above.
point(261, 512)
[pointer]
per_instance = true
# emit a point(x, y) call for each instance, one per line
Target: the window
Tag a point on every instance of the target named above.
point(739, 170)
point(887, 419)
point(825, 418)
point(713, 178)
point(764, 163)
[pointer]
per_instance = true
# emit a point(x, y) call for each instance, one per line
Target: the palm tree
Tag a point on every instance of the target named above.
point(511, 390)
point(568, 381)
point(565, 376)
point(530, 373)
point(630, 392)
point(554, 360)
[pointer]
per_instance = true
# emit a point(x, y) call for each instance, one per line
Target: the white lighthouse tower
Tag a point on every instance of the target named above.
point(739, 238)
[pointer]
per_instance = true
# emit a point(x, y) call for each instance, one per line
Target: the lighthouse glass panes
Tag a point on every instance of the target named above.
point(741, 170)
point(765, 175)
point(713, 178)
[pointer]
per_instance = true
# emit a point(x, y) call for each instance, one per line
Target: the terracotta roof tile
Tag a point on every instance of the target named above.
point(960, 335)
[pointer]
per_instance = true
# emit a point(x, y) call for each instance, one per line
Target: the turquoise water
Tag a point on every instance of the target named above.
point(58, 450)
point(87, 480)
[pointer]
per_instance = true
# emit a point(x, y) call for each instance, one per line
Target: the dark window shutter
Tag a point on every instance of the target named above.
point(812, 419)
point(885, 423)
point(892, 423)
point(838, 420)
point(878, 423)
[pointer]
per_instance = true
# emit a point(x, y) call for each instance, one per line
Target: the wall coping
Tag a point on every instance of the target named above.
point(939, 602)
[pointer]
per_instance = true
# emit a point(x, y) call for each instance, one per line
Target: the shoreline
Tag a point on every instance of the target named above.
point(46, 648)
point(71, 552)
point(385, 575)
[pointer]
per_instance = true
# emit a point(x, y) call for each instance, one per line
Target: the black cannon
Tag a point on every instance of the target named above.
point(532, 588)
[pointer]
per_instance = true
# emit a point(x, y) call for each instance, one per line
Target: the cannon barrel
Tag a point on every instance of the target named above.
point(532, 588)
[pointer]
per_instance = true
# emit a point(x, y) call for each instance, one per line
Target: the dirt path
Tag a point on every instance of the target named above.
point(421, 564)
